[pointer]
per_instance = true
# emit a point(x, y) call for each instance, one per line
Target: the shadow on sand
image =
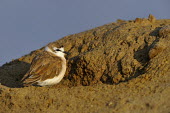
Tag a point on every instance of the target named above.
point(11, 73)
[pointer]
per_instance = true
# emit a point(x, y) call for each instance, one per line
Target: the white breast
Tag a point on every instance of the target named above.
point(56, 79)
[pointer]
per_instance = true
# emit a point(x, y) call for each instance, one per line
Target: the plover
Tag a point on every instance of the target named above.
point(47, 68)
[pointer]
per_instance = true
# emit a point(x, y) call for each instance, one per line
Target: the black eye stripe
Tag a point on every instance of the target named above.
point(58, 50)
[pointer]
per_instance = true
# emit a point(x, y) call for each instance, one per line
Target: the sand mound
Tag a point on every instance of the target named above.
point(125, 67)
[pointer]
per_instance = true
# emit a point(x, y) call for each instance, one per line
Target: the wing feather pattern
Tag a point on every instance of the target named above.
point(43, 66)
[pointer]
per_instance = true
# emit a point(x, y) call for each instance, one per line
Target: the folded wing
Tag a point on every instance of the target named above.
point(43, 66)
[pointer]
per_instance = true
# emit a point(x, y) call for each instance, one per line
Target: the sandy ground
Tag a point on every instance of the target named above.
point(121, 67)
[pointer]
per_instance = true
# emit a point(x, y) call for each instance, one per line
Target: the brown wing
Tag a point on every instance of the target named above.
point(43, 66)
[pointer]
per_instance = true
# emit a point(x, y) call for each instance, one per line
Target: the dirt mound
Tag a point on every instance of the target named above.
point(125, 67)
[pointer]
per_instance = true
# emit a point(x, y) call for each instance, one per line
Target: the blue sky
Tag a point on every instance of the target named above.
point(27, 25)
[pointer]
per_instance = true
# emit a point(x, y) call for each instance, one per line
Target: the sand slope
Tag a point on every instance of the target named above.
point(121, 67)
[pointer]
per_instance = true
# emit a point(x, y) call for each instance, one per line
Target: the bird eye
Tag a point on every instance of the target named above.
point(58, 50)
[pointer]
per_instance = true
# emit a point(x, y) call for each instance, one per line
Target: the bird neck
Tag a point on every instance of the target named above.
point(63, 70)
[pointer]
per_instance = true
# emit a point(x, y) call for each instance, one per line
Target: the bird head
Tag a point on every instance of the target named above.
point(57, 51)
